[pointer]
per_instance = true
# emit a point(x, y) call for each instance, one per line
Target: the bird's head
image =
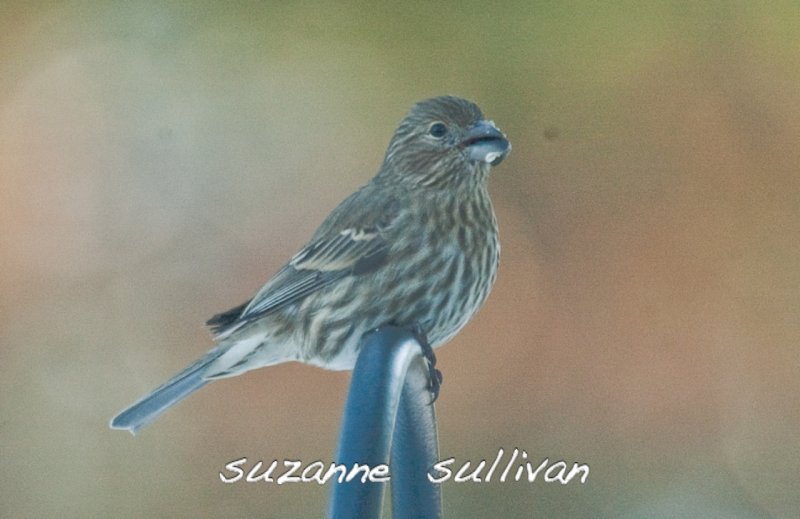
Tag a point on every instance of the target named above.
point(444, 141)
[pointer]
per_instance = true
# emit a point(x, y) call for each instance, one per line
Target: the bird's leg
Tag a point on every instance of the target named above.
point(434, 375)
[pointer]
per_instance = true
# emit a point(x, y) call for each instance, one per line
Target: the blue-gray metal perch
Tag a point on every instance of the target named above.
point(389, 420)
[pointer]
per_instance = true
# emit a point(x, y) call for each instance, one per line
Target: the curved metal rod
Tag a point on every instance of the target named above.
point(388, 413)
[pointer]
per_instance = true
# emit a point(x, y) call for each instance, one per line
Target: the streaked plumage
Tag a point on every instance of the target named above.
point(416, 246)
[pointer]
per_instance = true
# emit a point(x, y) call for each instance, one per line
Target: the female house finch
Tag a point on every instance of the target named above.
point(417, 246)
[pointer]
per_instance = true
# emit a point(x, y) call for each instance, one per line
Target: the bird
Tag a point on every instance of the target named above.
point(416, 247)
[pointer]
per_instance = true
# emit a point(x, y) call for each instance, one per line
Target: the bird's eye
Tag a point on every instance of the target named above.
point(438, 130)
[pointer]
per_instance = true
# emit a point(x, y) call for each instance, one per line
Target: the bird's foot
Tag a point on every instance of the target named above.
point(434, 375)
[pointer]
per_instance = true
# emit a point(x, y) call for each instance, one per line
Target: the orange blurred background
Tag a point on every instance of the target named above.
point(158, 163)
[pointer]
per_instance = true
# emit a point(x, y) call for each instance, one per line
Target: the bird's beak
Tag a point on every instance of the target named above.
point(485, 143)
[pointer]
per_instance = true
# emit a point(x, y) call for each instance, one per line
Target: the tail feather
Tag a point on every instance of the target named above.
point(165, 396)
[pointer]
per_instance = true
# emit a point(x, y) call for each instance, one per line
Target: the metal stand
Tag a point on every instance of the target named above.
point(389, 412)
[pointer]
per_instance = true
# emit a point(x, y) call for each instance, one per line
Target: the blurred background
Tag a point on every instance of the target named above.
point(159, 162)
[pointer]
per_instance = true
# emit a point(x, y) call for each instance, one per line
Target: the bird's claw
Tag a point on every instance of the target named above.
point(434, 375)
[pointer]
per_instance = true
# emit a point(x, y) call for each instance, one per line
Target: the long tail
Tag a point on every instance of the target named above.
point(165, 396)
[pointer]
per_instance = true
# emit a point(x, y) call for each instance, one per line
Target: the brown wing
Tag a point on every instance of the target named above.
point(337, 250)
